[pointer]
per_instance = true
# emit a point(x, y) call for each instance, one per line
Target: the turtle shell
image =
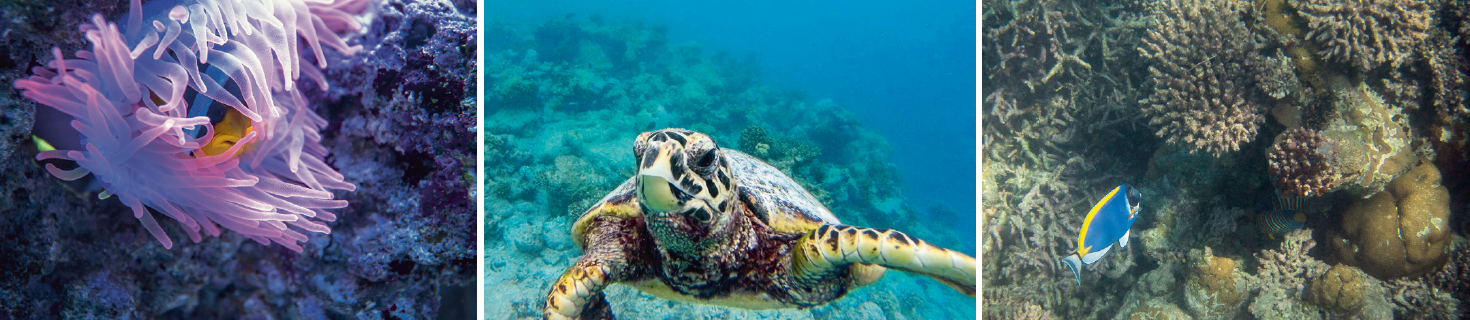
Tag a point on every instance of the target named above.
point(771, 195)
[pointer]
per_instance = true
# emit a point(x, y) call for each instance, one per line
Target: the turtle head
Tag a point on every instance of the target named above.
point(684, 187)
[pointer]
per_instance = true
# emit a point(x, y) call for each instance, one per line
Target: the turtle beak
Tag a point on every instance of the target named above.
point(655, 183)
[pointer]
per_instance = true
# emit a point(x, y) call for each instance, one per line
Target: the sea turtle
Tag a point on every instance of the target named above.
point(699, 223)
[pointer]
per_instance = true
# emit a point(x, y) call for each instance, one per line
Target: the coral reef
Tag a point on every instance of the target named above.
point(1402, 231)
point(1198, 52)
point(1361, 92)
point(404, 247)
point(1299, 161)
point(1367, 33)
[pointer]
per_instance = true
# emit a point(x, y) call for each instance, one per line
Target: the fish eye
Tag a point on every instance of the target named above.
point(1134, 197)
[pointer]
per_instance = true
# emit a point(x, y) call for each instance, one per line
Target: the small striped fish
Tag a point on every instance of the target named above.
point(1284, 216)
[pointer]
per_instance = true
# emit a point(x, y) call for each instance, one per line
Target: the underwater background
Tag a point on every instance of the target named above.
point(401, 126)
point(868, 105)
point(1297, 159)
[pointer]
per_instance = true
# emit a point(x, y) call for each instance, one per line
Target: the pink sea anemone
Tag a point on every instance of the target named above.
point(141, 101)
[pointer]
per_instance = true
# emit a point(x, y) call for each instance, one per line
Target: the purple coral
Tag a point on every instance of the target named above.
point(140, 100)
point(1199, 53)
point(1301, 163)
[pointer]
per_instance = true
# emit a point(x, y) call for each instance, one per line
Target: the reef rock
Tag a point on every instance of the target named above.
point(1372, 141)
point(1402, 231)
point(1215, 289)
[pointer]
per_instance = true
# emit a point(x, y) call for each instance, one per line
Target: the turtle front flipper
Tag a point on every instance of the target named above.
point(611, 249)
point(829, 247)
point(579, 292)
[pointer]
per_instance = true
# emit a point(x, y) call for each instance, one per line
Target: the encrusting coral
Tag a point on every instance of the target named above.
point(1367, 33)
point(1372, 141)
point(1402, 231)
point(1300, 163)
point(1199, 53)
point(1215, 289)
point(142, 105)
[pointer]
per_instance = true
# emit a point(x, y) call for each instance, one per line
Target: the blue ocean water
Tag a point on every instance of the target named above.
point(870, 106)
point(907, 69)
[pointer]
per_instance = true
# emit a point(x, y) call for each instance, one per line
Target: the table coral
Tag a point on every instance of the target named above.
point(1198, 54)
point(1402, 231)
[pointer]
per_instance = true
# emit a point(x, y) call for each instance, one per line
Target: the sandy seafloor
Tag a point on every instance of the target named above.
point(401, 119)
point(566, 97)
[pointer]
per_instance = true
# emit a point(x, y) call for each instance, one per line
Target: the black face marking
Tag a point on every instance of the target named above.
point(648, 156)
point(658, 137)
point(700, 214)
point(724, 206)
point(676, 164)
point(724, 179)
point(871, 235)
point(679, 194)
point(677, 137)
point(693, 188)
point(1133, 196)
point(715, 192)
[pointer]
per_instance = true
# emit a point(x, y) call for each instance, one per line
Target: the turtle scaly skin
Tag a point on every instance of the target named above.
point(702, 224)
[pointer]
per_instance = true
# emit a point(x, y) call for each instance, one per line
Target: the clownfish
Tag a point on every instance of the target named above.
point(1107, 222)
point(1284, 216)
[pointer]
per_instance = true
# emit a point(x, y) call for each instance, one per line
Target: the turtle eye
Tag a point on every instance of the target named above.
point(706, 162)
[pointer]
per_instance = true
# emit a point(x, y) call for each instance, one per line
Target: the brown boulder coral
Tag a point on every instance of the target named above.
point(1199, 53)
point(1402, 231)
point(1340, 290)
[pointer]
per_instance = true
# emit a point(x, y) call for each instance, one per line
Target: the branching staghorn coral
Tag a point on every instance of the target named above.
point(147, 100)
point(1280, 279)
point(1366, 33)
point(1199, 53)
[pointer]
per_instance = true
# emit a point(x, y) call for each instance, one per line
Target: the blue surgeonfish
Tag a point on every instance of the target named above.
point(1285, 215)
point(1107, 222)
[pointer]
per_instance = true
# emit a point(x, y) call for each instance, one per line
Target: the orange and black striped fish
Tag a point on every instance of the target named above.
point(1284, 216)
